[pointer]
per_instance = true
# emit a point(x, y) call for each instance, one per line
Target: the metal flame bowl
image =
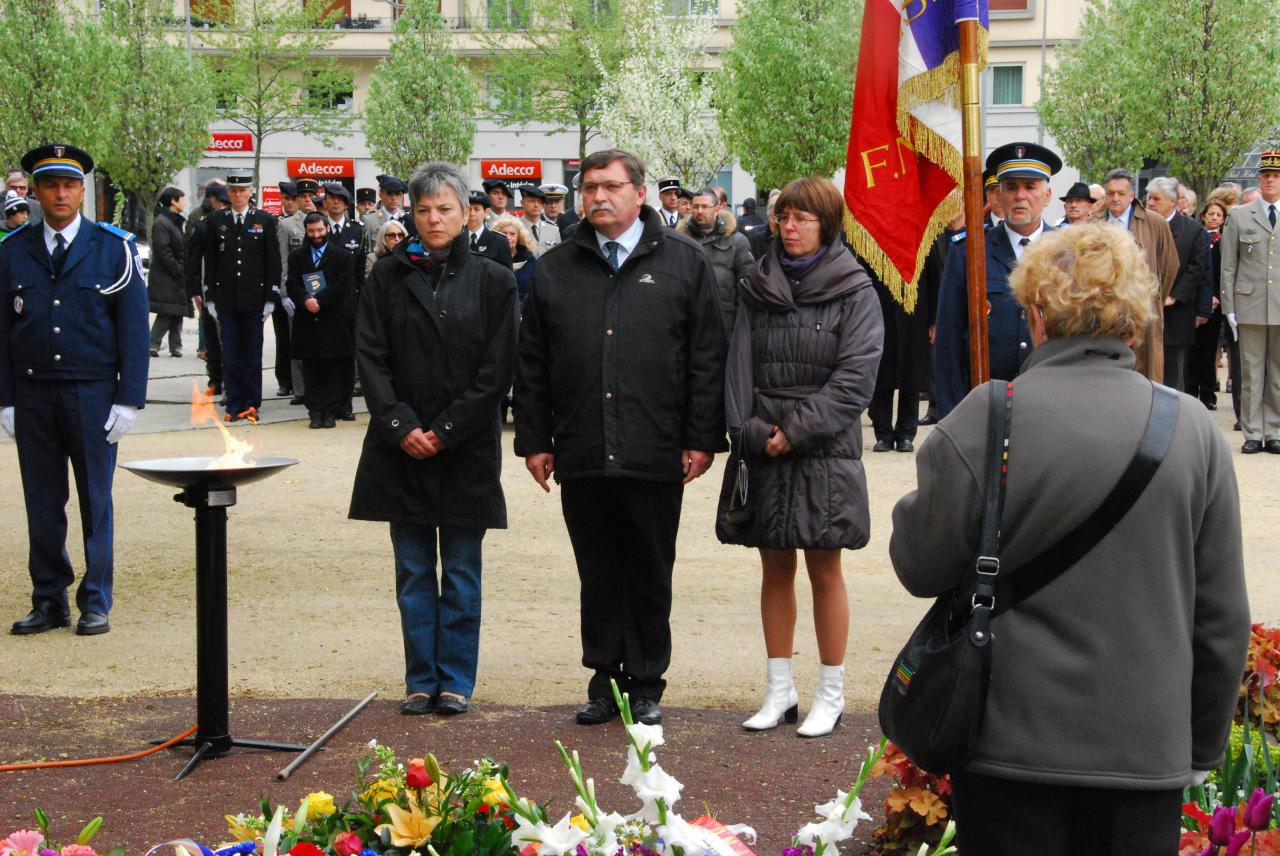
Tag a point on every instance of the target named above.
point(194, 472)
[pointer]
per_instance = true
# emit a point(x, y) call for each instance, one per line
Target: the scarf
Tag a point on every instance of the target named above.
point(798, 268)
point(424, 259)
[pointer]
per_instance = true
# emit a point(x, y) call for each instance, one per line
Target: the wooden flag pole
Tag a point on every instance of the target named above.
point(975, 244)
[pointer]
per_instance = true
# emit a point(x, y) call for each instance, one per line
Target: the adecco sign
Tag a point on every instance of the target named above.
point(511, 170)
point(321, 168)
point(227, 142)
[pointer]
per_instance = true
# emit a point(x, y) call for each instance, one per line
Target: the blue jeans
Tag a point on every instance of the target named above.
point(440, 621)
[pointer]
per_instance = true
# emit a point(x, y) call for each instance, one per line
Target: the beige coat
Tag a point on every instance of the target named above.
point(1123, 672)
point(1151, 231)
point(1250, 266)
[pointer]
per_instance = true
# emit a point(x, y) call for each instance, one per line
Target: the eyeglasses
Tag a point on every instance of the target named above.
point(610, 187)
point(394, 236)
point(783, 219)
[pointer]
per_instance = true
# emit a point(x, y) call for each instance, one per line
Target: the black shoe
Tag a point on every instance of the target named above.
point(598, 711)
point(44, 616)
point(1236, 426)
point(329, 421)
point(646, 711)
point(906, 446)
point(1272, 447)
point(349, 416)
point(297, 399)
point(283, 391)
point(450, 705)
point(155, 352)
point(1209, 405)
point(317, 421)
point(92, 624)
point(928, 419)
point(175, 354)
point(882, 446)
point(417, 704)
point(1251, 447)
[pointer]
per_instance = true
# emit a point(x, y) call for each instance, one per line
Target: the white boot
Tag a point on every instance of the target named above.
point(828, 703)
point(780, 699)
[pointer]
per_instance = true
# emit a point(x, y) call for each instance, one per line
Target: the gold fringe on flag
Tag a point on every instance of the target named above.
point(936, 84)
point(906, 293)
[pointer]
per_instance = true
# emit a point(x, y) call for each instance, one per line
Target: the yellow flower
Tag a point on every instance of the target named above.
point(580, 821)
point(408, 828)
point(319, 804)
point(237, 826)
point(494, 793)
point(383, 789)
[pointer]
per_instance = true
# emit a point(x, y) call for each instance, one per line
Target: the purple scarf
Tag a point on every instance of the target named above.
point(796, 268)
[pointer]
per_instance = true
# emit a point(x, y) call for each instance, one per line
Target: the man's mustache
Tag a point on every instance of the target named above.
point(600, 206)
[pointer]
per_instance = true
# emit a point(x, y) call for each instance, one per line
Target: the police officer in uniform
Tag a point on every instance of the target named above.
point(391, 190)
point(499, 199)
point(1023, 171)
point(308, 190)
point(73, 374)
point(242, 272)
point(347, 233)
point(533, 206)
point(366, 201)
point(669, 195)
point(480, 238)
point(290, 231)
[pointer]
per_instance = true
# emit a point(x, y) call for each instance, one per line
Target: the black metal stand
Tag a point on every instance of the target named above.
point(213, 728)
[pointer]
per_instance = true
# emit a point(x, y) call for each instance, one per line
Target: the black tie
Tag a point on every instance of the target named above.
point(613, 247)
point(1271, 215)
point(59, 251)
point(239, 221)
point(475, 244)
point(534, 227)
point(1023, 243)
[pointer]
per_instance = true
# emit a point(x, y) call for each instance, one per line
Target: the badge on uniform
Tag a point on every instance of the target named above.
point(254, 230)
point(137, 263)
point(17, 305)
point(647, 278)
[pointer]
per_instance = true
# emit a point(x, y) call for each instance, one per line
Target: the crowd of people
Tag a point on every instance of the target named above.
point(633, 343)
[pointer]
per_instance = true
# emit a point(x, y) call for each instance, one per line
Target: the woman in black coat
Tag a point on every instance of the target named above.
point(320, 283)
point(802, 367)
point(167, 279)
point(435, 346)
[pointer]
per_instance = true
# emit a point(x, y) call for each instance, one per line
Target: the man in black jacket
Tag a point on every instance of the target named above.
point(480, 238)
point(242, 269)
point(620, 393)
point(321, 280)
point(1181, 307)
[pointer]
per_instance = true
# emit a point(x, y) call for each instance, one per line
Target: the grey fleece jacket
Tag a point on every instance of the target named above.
point(1123, 672)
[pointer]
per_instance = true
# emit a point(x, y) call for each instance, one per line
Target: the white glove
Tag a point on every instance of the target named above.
point(211, 309)
point(288, 306)
point(1231, 320)
point(120, 421)
point(6, 420)
point(267, 309)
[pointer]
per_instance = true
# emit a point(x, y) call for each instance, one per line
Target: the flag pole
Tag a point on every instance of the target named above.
point(975, 244)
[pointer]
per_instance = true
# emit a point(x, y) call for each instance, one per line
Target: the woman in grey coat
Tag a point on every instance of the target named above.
point(166, 282)
point(1112, 687)
point(802, 366)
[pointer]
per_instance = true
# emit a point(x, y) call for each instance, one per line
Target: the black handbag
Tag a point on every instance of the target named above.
point(738, 512)
point(934, 699)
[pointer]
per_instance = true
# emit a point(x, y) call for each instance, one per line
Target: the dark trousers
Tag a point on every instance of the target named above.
point(624, 541)
point(881, 413)
point(56, 422)
point(1001, 817)
point(212, 350)
point(170, 324)
point(283, 370)
point(1176, 360)
point(241, 359)
point(1204, 361)
point(325, 380)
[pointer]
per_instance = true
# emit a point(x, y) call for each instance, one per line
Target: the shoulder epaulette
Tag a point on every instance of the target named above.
point(116, 230)
point(958, 237)
point(14, 232)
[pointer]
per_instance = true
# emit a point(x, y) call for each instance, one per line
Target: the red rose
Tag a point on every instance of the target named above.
point(305, 848)
point(347, 844)
point(417, 777)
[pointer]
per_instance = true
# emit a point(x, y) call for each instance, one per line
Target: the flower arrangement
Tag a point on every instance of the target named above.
point(1259, 691)
point(918, 806)
point(38, 841)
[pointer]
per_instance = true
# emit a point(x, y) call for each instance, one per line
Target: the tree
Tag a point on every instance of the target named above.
point(658, 103)
point(541, 68)
point(45, 57)
point(272, 78)
point(157, 121)
point(1189, 82)
point(785, 92)
point(441, 115)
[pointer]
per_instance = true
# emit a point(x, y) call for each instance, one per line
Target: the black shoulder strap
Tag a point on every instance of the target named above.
point(999, 413)
point(1046, 567)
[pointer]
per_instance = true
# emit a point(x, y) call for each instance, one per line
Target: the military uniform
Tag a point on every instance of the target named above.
point(242, 270)
point(73, 360)
point(1251, 300)
point(291, 234)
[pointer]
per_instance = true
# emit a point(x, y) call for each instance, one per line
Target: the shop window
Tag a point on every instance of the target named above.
point(1006, 86)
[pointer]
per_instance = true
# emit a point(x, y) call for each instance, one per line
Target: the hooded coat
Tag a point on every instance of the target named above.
point(803, 357)
point(730, 254)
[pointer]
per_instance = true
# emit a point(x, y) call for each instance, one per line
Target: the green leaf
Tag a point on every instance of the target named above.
point(90, 829)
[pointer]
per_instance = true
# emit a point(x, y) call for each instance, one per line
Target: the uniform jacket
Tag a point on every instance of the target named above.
point(326, 333)
point(730, 254)
point(492, 245)
point(350, 238)
point(88, 322)
point(439, 359)
point(1249, 269)
point(1156, 242)
point(167, 279)
point(241, 266)
point(545, 234)
point(667, 217)
point(375, 220)
point(1124, 672)
point(617, 374)
point(1191, 242)
point(1008, 339)
point(292, 234)
point(803, 357)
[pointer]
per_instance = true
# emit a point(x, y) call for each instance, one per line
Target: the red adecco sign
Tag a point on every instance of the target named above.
point(321, 168)
point(511, 170)
point(230, 142)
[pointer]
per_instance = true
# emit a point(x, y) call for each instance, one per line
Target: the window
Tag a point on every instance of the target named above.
point(209, 12)
point(507, 14)
point(724, 178)
point(683, 8)
point(1006, 86)
point(332, 91)
point(327, 13)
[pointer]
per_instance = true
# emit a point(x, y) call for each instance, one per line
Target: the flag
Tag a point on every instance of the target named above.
point(905, 153)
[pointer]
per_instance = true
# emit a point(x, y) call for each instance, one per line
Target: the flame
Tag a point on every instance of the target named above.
point(202, 411)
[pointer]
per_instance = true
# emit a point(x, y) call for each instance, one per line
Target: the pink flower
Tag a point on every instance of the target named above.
point(1257, 812)
point(78, 850)
point(347, 844)
point(24, 842)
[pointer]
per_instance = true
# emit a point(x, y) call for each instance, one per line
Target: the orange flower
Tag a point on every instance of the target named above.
point(930, 807)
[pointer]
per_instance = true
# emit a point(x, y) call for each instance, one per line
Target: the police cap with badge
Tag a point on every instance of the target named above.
point(289, 189)
point(478, 197)
point(392, 184)
point(307, 186)
point(530, 191)
point(239, 178)
point(493, 184)
point(58, 160)
point(333, 188)
point(1023, 160)
point(665, 184)
point(1269, 162)
point(553, 192)
point(366, 194)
